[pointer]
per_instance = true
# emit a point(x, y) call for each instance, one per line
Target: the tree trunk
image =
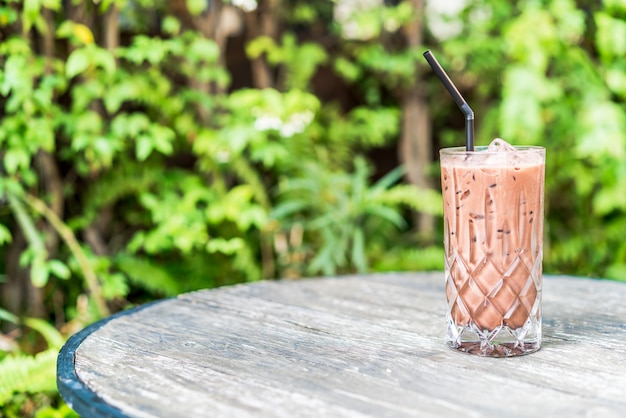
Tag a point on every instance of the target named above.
point(94, 233)
point(18, 293)
point(218, 23)
point(262, 22)
point(416, 150)
point(111, 28)
point(415, 147)
point(53, 185)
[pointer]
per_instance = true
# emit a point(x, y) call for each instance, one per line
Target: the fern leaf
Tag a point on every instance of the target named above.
point(421, 200)
point(142, 272)
point(24, 373)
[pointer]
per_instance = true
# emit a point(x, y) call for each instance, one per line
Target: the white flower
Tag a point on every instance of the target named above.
point(294, 125)
point(223, 156)
point(297, 123)
point(245, 5)
point(267, 122)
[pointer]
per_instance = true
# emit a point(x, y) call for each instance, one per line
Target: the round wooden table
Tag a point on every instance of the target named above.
point(352, 346)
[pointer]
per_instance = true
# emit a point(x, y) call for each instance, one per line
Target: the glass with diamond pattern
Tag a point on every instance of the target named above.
point(493, 238)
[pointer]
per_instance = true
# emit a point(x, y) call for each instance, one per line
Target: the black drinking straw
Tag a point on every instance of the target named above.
point(460, 101)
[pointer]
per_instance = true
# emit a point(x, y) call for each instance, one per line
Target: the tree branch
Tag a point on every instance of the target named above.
point(70, 240)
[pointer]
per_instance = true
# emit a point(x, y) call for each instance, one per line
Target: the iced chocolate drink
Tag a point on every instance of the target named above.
point(493, 239)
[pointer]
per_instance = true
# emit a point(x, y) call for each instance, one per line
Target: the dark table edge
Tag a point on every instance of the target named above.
point(73, 390)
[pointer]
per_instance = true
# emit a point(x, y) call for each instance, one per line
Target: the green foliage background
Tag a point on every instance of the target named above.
point(170, 173)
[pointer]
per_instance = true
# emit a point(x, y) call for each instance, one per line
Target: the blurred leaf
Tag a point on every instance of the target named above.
point(422, 200)
point(260, 45)
point(532, 38)
point(387, 213)
point(145, 145)
point(8, 316)
point(225, 246)
point(205, 50)
point(39, 272)
point(410, 259)
point(59, 269)
point(611, 35)
point(148, 275)
point(16, 158)
point(77, 63)
point(523, 93)
point(288, 208)
point(104, 59)
point(77, 31)
point(347, 69)
point(51, 4)
point(63, 411)
point(602, 127)
point(616, 271)
point(13, 77)
point(7, 16)
point(5, 235)
point(358, 256)
point(616, 79)
point(171, 25)
point(53, 337)
point(40, 132)
point(38, 269)
point(162, 138)
point(114, 285)
point(31, 374)
point(196, 7)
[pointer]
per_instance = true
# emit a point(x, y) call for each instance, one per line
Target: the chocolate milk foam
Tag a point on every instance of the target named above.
point(493, 235)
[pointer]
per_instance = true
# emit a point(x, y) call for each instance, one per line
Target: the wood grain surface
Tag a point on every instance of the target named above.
point(356, 346)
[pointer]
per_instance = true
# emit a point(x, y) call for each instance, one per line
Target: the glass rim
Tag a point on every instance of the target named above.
point(483, 150)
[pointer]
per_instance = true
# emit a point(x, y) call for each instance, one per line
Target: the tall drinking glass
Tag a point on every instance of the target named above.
point(493, 240)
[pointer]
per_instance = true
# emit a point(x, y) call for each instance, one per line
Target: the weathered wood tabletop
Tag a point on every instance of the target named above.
point(344, 347)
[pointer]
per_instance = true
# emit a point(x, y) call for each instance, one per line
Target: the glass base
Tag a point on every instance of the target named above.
point(500, 342)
